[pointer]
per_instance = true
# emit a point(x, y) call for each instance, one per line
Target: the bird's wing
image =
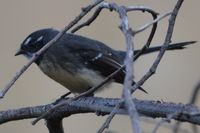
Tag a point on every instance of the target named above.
point(97, 56)
point(106, 65)
point(103, 63)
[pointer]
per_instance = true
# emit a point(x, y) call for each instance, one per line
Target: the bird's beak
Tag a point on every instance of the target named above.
point(19, 52)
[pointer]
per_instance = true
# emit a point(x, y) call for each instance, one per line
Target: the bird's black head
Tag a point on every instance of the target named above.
point(35, 41)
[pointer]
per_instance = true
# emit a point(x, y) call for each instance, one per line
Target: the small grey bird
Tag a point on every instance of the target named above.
point(77, 62)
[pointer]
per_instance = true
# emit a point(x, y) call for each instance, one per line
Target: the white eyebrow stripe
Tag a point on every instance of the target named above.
point(40, 38)
point(27, 40)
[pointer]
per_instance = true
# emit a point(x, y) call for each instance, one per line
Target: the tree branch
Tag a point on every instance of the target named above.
point(154, 109)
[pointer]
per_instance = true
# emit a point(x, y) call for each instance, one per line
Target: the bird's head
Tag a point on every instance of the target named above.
point(35, 41)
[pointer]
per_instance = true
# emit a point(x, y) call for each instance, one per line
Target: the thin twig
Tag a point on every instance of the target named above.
point(42, 50)
point(195, 94)
point(141, 8)
point(89, 21)
point(167, 119)
point(144, 27)
point(110, 117)
point(153, 30)
point(193, 100)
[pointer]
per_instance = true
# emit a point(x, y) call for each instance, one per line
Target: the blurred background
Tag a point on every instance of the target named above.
point(177, 74)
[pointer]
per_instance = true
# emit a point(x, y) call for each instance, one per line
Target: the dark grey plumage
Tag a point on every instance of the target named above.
point(77, 62)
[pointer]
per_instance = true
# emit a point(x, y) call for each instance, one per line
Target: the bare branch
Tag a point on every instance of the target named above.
point(89, 21)
point(144, 27)
point(152, 109)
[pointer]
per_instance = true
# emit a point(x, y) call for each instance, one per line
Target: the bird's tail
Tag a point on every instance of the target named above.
point(173, 46)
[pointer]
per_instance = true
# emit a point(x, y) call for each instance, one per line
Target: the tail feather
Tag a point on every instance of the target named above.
point(140, 88)
point(173, 46)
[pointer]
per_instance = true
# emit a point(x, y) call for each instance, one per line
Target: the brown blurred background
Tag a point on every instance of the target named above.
point(174, 80)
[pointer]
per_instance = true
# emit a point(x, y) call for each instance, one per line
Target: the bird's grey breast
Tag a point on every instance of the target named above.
point(76, 79)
